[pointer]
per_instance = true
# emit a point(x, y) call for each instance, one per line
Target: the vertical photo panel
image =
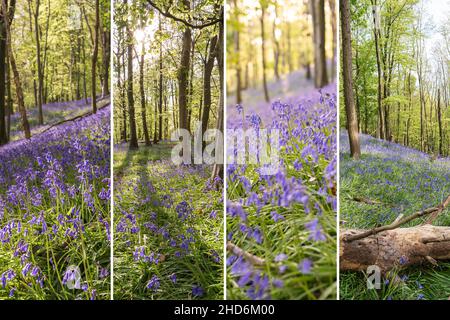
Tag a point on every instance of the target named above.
point(281, 144)
point(54, 150)
point(394, 150)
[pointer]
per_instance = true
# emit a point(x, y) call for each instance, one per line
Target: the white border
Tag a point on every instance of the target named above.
point(225, 151)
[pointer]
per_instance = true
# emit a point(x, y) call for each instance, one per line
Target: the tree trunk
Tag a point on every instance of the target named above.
point(9, 101)
point(38, 62)
point(218, 167)
point(183, 73)
point(106, 61)
point(161, 83)
point(320, 63)
point(381, 121)
point(332, 4)
point(133, 135)
point(142, 93)
point(350, 111)
point(207, 82)
point(439, 116)
point(19, 92)
point(236, 36)
point(276, 46)
point(401, 247)
point(3, 136)
point(263, 52)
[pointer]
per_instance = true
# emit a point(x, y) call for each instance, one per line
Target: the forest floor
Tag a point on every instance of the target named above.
point(54, 212)
point(403, 181)
point(290, 88)
point(168, 227)
point(287, 220)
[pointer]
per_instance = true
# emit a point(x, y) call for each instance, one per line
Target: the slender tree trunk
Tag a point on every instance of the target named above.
point(207, 82)
point(161, 83)
point(320, 63)
point(236, 36)
point(9, 102)
point(133, 135)
point(94, 57)
point(381, 121)
point(218, 167)
point(439, 118)
point(3, 45)
point(276, 45)
point(38, 61)
point(124, 102)
point(332, 4)
point(183, 73)
point(19, 92)
point(142, 93)
point(352, 120)
point(106, 60)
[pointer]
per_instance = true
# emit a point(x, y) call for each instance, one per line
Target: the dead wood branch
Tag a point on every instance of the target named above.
point(399, 247)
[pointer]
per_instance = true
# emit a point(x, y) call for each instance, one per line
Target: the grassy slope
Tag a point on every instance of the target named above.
point(405, 181)
point(142, 179)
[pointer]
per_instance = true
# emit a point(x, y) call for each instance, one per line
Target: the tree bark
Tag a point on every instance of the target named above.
point(276, 47)
point(3, 137)
point(38, 62)
point(350, 111)
point(142, 93)
point(439, 116)
point(94, 57)
point(19, 92)
point(161, 83)
point(381, 121)
point(183, 73)
point(207, 82)
point(236, 36)
point(332, 4)
point(218, 167)
point(320, 63)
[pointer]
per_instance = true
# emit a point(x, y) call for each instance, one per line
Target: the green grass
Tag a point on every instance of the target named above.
point(143, 179)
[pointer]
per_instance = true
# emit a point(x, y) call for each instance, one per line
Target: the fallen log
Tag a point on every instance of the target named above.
point(400, 247)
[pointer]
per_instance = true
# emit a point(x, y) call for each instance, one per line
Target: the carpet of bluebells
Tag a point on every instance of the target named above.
point(54, 212)
point(403, 181)
point(287, 219)
point(168, 227)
